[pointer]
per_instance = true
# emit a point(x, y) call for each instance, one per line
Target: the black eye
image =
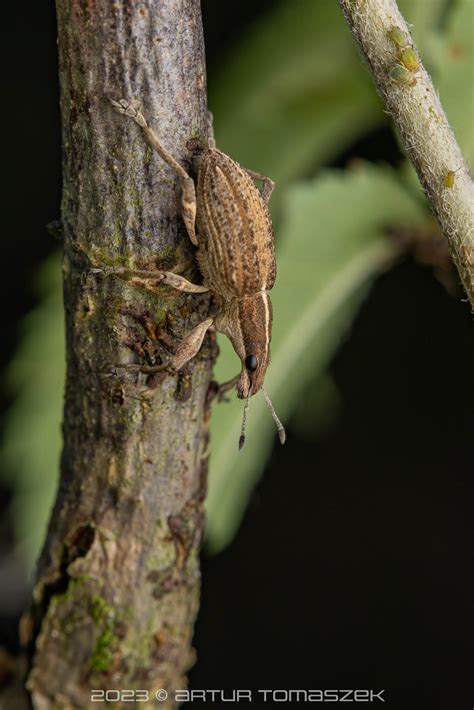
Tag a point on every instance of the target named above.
point(251, 363)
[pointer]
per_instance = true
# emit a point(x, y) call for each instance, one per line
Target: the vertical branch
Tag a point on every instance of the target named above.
point(117, 585)
point(413, 103)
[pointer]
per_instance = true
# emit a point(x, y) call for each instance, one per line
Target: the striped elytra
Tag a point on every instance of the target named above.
point(236, 251)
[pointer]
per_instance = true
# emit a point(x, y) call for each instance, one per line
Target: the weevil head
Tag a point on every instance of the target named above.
point(248, 325)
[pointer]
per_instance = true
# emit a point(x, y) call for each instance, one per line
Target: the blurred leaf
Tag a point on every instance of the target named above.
point(32, 438)
point(332, 244)
point(456, 75)
point(295, 93)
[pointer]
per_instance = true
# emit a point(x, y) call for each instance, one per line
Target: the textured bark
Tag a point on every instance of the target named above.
point(117, 585)
point(414, 105)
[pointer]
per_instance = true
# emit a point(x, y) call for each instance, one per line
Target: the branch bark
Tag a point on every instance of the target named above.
point(117, 585)
point(413, 103)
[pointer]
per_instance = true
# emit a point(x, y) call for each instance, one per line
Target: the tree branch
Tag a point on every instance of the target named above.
point(411, 99)
point(117, 585)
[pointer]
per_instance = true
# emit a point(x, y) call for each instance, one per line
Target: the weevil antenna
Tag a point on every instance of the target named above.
point(279, 425)
point(244, 422)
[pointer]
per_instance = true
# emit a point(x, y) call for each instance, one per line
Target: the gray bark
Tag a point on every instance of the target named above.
point(117, 585)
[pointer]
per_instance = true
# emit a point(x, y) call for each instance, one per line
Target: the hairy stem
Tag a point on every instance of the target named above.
point(117, 585)
point(413, 103)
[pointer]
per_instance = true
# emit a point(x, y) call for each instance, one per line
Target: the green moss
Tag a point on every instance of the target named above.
point(102, 257)
point(169, 252)
point(148, 154)
point(107, 642)
point(135, 198)
point(160, 314)
point(100, 609)
point(104, 650)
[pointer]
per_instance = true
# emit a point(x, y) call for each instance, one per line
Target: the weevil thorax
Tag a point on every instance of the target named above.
point(247, 322)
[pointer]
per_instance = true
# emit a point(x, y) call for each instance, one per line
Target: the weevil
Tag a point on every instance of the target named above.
point(227, 218)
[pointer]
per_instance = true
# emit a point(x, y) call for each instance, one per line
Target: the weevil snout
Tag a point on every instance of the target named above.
point(247, 322)
point(244, 386)
point(250, 379)
point(252, 376)
point(255, 319)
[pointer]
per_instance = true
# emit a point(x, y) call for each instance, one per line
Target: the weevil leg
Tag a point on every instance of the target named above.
point(211, 141)
point(161, 277)
point(188, 192)
point(186, 350)
point(268, 183)
point(190, 346)
point(226, 387)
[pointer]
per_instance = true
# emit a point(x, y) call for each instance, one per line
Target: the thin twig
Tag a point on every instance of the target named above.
point(414, 105)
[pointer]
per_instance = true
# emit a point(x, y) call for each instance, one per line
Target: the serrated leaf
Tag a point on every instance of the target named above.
point(295, 93)
point(331, 245)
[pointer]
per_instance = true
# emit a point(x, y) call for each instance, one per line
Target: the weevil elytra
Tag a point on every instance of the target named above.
point(227, 218)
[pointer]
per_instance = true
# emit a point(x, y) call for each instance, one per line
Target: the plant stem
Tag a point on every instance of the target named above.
point(117, 585)
point(413, 103)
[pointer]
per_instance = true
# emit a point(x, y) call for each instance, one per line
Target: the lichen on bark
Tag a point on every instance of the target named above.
point(117, 585)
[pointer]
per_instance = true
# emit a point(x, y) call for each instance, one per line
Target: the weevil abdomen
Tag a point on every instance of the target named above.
point(236, 251)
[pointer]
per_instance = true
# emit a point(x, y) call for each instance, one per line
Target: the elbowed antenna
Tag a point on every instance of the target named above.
point(244, 422)
point(279, 425)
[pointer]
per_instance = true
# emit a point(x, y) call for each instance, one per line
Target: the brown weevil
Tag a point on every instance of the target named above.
point(227, 219)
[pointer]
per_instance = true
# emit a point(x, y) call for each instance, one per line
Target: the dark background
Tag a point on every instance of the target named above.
point(353, 566)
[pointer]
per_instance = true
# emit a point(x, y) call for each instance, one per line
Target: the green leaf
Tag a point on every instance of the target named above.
point(456, 75)
point(295, 93)
point(32, 437)
point(332, 245)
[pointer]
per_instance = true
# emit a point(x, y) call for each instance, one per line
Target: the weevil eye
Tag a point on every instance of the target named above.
point(251, 363)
